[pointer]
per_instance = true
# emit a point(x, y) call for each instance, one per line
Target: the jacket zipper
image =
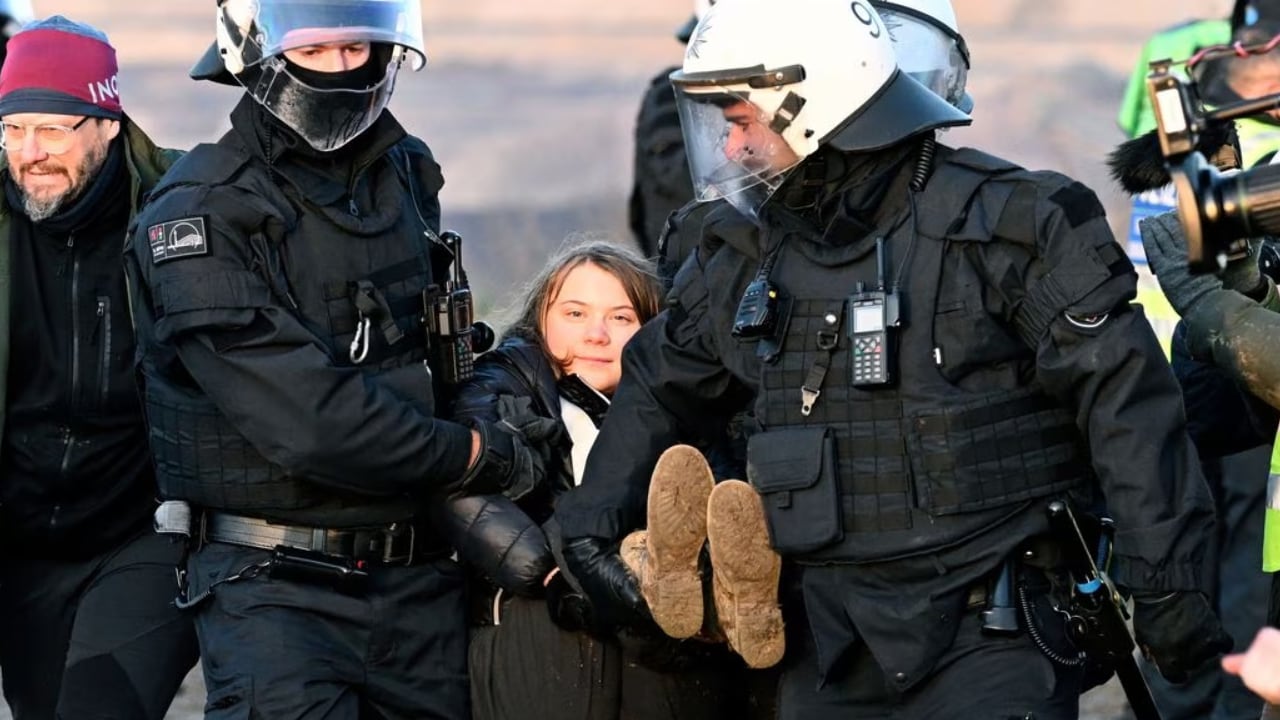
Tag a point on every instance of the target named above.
point(68, 442)
point(67, 439)
point(104, 366)
point(75, 324)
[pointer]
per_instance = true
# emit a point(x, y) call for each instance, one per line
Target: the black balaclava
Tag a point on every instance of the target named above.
point(361, 78)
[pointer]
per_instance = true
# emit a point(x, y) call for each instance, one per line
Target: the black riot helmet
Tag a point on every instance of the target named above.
point(254, 35)
point(700, 8)
point(13, 15)
point(1251, 12)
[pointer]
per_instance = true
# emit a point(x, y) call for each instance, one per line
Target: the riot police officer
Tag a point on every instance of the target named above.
point(278, 281)
point(936, 342)
point(13, 15)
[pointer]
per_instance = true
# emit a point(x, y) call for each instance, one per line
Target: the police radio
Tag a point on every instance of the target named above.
point(873, 318)
point(453, 335)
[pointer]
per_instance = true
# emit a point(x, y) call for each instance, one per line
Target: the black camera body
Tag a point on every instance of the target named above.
point(1219, 212)
point(453, 335)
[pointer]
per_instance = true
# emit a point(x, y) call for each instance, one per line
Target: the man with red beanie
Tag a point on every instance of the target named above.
point(87, 617)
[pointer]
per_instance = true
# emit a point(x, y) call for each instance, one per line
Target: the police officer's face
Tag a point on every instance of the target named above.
point(330, 57)
point(753, 145)
point(54, 167)
point(587, 323)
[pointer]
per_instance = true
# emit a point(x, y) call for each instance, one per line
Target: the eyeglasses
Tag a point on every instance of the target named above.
point(52, 139)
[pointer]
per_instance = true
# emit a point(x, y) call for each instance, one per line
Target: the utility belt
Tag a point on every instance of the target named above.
point(399, 543)
point(336, 557)
point(1040, 593)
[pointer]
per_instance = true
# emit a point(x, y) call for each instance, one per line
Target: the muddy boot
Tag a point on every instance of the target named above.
point(634, 551)
point(677, 519)
point(745, 571)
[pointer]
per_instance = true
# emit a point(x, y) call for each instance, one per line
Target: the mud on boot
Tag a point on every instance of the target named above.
point(745, 572)
point(677, 529)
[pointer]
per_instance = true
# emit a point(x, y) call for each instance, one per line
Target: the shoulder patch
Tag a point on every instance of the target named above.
point(1079, 204)
point(178, 239)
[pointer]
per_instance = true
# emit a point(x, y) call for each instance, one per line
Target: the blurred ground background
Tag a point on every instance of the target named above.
point(529, 107)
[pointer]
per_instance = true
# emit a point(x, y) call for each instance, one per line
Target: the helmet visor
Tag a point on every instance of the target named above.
point(327, 118)
point(928, 53)
point(280, 25)
point(733, 153)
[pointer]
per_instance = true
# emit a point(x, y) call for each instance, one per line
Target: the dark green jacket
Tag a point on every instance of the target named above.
point(146, 163)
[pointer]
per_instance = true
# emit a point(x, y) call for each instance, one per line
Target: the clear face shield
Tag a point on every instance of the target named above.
point(931, 54)
point(733, 152)
point(325, 117)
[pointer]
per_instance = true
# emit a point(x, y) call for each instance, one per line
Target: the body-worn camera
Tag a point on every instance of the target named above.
point(453, 335)
point(763, 313)
point(1219, 212)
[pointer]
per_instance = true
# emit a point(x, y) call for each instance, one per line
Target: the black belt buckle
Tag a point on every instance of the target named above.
point(393, 539)
point(308, 566)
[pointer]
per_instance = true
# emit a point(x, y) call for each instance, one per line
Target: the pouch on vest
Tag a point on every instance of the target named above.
point(794, 470)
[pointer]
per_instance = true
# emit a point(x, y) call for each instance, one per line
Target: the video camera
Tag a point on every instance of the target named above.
point(1219, 211)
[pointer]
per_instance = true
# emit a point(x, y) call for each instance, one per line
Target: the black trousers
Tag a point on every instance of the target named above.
point(95, 638)
point(275, 649)
point(979, 677)
point(527, 668)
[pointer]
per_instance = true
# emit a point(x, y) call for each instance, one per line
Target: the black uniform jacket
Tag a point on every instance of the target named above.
point(238, 315)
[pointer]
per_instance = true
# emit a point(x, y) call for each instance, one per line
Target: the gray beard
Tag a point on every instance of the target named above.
point(39, 210)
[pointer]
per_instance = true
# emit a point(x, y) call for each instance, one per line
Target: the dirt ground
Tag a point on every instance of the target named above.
point(529, 107)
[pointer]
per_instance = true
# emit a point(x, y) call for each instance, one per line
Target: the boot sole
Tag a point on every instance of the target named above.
point(677, 523)
point(746, 571)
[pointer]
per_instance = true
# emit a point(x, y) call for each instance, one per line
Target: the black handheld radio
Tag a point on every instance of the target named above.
point(874, 315)
point(453, 335)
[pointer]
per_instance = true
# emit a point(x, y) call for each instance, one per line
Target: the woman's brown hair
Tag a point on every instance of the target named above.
point(638, 276)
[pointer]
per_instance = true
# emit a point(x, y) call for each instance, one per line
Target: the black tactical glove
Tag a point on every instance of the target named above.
point(546, 434)
point(568, 605)
point(614, 593)
point(505, 464)
point(1178, 632)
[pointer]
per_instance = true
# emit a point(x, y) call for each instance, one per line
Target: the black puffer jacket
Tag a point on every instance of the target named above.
point(501, 540)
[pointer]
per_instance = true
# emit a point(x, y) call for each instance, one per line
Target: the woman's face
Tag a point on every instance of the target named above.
point(587, 323)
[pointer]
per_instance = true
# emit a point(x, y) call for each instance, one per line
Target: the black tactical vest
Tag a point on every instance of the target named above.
point(955, 445)
point(342, 276)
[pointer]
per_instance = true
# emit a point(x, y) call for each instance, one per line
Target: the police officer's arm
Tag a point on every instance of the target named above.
point(674, 386)
point(1069, 297)
point(270, 376)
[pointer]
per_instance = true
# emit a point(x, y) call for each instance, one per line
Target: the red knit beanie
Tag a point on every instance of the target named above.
point(62, 67)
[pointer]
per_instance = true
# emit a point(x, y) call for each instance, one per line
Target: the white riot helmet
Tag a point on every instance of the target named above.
point(929, 46)
point(765, 83)
point(253, 35)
